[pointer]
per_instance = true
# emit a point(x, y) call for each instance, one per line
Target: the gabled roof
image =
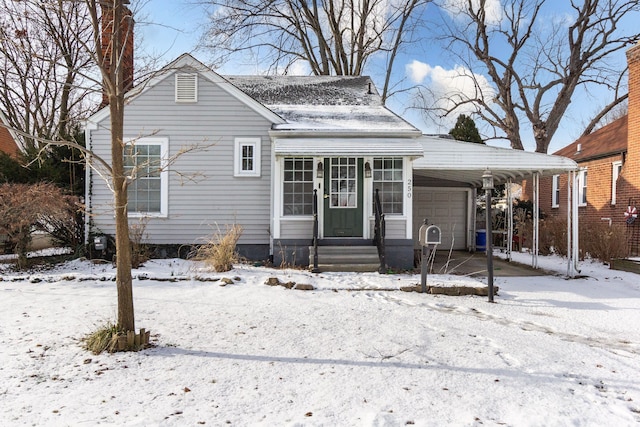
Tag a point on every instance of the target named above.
point(295, 104)
point(187, 61)
point(309, 90)
point(466, 162)
point(9, 143)
point(606, 141)
point(324, 103)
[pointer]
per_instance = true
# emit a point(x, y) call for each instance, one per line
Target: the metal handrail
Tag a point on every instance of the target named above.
point(379, 232)
point(315, 268)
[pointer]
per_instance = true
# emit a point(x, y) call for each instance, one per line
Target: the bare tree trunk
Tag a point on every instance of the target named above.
point(113, 78)
point(126, 320)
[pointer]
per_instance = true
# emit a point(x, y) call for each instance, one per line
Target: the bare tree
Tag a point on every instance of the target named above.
point(535, 64)
point(43, 91)
point(33, 65)
point(334, 37)
point(112, 57)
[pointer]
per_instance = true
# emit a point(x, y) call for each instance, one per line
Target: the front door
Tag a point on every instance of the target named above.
point(343, 197)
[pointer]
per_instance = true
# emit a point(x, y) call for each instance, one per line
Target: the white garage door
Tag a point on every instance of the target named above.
point(446, 208)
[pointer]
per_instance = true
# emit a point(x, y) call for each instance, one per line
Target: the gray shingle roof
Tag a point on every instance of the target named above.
point(310, 90)
point(340, 103)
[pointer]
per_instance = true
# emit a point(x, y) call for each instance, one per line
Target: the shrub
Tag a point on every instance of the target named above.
point(553, 237)
point(25, 207)
point(139, 251)
point(219, 252)
point(599, 240)
point(66, 230)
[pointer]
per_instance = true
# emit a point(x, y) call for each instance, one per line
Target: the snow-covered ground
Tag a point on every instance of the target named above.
point(353, 352)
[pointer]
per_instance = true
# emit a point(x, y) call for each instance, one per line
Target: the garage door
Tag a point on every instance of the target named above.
point(446, 208)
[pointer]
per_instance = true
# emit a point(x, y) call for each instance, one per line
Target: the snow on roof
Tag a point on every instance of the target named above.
point(309, 90)
point(339, 117)
point(323, 102)
point(467, 161)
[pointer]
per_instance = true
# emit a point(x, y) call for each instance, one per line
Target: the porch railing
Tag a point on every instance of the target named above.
point(315, 232)
point(379, 232)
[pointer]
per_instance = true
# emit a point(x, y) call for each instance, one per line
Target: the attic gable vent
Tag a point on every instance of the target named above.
point(186, 88)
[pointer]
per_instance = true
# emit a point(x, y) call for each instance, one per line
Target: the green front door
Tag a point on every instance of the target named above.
point(343, 197)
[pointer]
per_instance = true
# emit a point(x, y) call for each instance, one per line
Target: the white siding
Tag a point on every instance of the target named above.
point(296, 229)
point(395, 228)
point(203, 192)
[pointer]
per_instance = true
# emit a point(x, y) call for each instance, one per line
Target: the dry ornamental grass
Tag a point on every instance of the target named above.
point(219, 253)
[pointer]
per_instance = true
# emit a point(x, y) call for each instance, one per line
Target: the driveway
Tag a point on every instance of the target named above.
point(475, 264)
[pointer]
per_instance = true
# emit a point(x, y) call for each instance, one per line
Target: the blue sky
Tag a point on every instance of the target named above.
point(170, 28)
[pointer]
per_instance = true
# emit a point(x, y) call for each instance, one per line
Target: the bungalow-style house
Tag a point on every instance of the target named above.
point(8, 140)
point(293, 160)
point(608, 180)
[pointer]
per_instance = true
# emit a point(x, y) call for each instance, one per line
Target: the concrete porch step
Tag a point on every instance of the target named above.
point(346, 258)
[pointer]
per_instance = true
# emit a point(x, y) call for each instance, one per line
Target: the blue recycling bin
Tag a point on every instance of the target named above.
point(481, 240)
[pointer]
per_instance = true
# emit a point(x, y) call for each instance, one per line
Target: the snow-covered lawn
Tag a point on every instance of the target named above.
point(353, 352)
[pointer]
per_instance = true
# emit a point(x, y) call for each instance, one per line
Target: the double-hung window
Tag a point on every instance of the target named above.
point(247, 157)
point(555, 195)
point(145, 168)
point(616, 168)
point(388, 179)
point(582, 187)
point(297, 186)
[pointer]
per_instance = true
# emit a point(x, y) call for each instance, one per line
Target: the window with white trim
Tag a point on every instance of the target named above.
point(186, 87)
point(297, 186)
point(247, 157)
point(388, 179)
point(582, 187)
point(616, 168)
point(145, 167)
point(555, 195)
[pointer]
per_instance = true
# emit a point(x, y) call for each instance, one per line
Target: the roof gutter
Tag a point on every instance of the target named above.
point(339, 133)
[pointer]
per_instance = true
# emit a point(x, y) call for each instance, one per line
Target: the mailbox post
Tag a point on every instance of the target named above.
point(429, 237)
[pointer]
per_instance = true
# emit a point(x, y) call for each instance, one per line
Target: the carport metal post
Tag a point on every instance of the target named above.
point(487, 185)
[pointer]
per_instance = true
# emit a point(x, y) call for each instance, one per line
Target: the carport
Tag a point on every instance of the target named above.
point(449, 167)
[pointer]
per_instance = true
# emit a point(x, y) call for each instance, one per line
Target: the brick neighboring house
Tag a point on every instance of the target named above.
point(7, 139)
point(608, 182)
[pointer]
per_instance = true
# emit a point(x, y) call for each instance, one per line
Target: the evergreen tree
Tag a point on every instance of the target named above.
point(466, 130)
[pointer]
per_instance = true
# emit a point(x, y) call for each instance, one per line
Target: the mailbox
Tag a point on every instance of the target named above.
point(429, 235)
point(100, 243)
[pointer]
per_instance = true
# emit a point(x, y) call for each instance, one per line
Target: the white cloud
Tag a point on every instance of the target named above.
point(418, 71)
point(492, 8)
point(446, 87)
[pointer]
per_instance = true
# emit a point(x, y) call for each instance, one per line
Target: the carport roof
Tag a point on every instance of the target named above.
point(466, 162)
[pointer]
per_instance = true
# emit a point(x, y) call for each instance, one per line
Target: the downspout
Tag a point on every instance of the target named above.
point(570, 271)
point(536, 218)
point(272, 209)
point(88, 187)
point(575, 225)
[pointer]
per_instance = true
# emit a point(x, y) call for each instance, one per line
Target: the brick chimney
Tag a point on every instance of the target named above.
point(632, 168)
point(126, 40)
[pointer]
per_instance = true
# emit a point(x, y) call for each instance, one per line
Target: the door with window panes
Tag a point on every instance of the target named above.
point(343, 206)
